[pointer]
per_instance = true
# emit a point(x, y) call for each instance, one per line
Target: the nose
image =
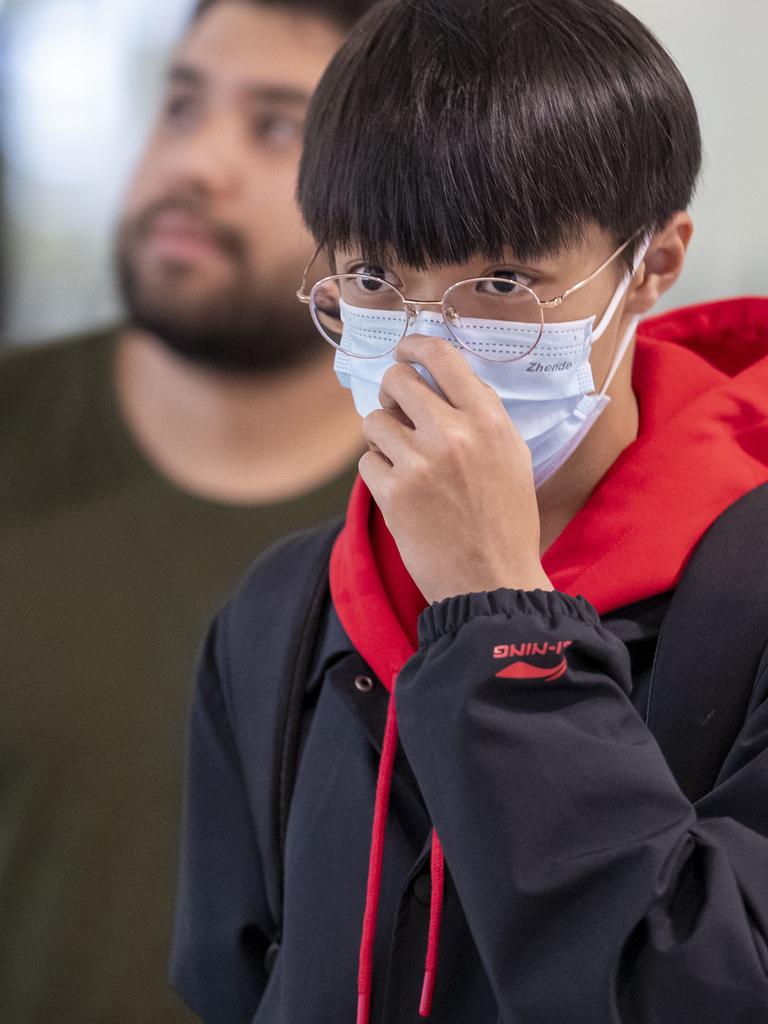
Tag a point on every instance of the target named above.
point(208, 159)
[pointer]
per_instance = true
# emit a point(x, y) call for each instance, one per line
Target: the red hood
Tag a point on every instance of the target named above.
point(701, 376)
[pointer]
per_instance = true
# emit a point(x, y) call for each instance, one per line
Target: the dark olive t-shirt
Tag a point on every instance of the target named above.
point(108, 576)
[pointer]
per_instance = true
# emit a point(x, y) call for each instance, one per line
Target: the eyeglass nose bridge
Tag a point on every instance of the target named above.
point(414, 306)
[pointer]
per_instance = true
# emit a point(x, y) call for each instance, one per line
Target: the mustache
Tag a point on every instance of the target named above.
point(229, 238)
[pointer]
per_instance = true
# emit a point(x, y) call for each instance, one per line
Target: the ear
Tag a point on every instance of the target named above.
point(662, 265)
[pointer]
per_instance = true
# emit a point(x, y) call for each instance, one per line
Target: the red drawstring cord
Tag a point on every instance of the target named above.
point(383, 783)
point(373, 890)
point(437, 868)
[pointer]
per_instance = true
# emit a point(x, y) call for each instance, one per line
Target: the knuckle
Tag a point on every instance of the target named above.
point(372, 419)
point(395, 372)
point(420, 469)
point(493, 397)
point(426, 344)
point(400, 493)
point(415, 341)
point(497, 416)
point(408, 467)
point(441, 348)
point(459, 439)
point(388, 490)
point(524, 453)
point(392, 376)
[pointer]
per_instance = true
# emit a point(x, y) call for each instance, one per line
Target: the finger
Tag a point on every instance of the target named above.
point(462, 388)
point(403, 388)
point(387, 402)
point(376, 451)
point(375, 470)
point(387, 435)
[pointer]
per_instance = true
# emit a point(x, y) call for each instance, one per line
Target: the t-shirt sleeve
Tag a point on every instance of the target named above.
point(219, 940)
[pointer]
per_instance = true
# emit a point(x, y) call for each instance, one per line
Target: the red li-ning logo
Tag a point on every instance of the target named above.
point(524, 669)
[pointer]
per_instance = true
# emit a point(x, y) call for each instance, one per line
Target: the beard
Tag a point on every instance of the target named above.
point(235, 327)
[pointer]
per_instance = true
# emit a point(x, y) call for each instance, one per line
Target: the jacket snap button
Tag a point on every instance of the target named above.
point(364, 684)
point(422, 889)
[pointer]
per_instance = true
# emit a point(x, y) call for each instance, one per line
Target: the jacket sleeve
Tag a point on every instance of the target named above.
point(218, 947)
point(595, 891)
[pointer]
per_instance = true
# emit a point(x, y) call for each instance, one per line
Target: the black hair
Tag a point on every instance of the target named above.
point(443, 129)
point(343, 13)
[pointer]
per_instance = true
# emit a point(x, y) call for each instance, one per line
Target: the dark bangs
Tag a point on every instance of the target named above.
point(445, 129)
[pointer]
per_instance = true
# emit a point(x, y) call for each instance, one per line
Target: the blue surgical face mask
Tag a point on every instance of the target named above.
point(549, 393)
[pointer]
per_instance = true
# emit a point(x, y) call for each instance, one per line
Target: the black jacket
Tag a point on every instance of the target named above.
point(582, 886)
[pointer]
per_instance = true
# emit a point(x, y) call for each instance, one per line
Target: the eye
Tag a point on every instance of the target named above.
point(504, 282)
point(181, 109)
point(371, 270)
point(278, 130)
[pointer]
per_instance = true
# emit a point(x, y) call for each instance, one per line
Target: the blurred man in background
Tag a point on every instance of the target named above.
point(142, 469)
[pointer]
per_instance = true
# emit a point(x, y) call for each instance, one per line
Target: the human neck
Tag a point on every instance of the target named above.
point(235, 438)
point(566, 493)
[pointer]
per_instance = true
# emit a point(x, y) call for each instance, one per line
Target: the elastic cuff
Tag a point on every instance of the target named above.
point(447, 616)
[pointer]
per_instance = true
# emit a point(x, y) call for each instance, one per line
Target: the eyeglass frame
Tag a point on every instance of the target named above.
point(413, 307)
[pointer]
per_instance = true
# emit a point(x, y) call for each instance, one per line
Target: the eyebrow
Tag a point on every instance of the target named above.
point(358, 256)
point(269, 92)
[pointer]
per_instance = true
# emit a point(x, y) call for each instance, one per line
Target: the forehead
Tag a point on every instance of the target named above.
point(239, 42)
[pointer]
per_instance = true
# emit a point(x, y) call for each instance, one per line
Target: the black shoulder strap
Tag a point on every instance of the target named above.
point(269, 629)
point(316, 590)
point(294, 631)
point(710, 646)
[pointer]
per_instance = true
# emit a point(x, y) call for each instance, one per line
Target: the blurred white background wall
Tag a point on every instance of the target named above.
point(720, 46)
point(80, 84)
point(81, 81)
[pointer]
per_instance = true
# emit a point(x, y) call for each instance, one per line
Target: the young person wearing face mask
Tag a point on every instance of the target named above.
point(487, 811)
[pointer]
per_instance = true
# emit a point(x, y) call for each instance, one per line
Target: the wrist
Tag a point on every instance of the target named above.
point(531, 578)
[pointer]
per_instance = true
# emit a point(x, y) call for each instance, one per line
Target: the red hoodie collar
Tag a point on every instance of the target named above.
point(374, 596)
point(701, 377)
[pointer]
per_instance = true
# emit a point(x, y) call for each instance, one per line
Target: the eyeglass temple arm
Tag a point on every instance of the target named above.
point(569, 291)
point(301, 294)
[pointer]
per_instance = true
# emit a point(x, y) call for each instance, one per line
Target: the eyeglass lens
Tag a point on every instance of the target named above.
point(365, 317)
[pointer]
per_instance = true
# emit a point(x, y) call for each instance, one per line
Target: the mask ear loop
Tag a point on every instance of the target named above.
point(621, 291)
